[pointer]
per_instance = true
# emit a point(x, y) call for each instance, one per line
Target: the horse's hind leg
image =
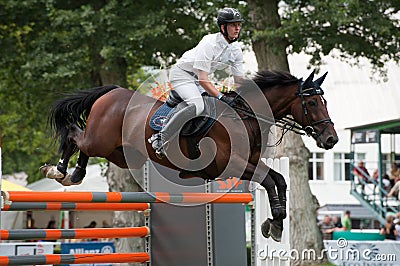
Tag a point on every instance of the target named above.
point(79, 172)
point(60, 170)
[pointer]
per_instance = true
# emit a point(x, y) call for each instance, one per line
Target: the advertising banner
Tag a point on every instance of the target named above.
point(88, 247)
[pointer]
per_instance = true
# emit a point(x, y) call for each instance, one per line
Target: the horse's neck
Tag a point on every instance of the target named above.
point(280, 101)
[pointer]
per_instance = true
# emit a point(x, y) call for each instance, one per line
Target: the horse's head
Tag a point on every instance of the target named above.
point(310, 111)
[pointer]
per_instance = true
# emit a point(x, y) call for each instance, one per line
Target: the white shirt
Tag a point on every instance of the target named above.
point(212, 53)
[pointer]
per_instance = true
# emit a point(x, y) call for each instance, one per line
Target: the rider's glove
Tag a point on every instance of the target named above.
point(228, 100)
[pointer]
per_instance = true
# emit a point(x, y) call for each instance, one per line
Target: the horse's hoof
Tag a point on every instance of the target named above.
point(276, 233)
point(66, 181)
point(50, 171)
point(266, 228)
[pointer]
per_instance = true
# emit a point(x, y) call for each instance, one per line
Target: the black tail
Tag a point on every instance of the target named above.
point(73, 110)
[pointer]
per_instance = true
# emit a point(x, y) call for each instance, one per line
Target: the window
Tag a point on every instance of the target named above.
point(342, 167)
point(316, 166)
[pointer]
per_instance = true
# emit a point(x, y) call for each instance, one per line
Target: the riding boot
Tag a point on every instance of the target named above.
point(171, 129)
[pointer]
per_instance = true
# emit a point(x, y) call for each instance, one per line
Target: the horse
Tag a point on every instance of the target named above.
point(103, 122)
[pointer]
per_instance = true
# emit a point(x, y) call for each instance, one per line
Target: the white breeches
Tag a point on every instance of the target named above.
point(187, 87)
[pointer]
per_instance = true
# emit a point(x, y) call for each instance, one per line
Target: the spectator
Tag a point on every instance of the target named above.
point(362, 174)
point(397, 227)
point(386, 185)
point(336, 222)
point(388, 229)
point(394, 174)
point(327, 228)
point(91, 225)
point(32, 224)
point(51, 225)
point(106, 224)
point(346, 221)
point(394, 191)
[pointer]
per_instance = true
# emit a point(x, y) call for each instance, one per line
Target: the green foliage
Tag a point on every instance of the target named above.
point(52, 47)
point(354, 28)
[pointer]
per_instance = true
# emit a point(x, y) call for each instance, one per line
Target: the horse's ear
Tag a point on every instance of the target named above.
point(309, 81)
point(321, 79)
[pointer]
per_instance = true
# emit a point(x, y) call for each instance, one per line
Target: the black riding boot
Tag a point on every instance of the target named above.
point(172, 128)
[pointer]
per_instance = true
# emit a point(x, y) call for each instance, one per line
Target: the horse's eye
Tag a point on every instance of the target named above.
point(312, 103)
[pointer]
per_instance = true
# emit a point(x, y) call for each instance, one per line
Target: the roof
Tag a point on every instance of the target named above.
point(356, 210)
point(10, 186)
point(384, 127)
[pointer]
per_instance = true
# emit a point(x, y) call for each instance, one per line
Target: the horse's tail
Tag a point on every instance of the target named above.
point(73, 110)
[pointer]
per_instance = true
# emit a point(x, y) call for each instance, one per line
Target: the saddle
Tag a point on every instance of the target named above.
point(195, 127)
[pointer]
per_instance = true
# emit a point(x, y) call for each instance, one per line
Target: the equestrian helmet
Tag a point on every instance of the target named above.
point(228, 15)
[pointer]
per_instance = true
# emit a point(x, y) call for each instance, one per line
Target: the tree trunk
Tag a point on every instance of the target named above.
point(269, 48)
point(271, 54)
point(120, 180)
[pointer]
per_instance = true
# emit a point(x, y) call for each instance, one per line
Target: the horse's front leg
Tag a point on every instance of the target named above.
point(281, 186)
point(261, 175)
point(277, 203)
point(272, 227)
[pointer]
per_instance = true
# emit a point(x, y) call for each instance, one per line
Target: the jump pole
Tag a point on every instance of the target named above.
point(53, 259)
point(126, 197)
point(81, 206)
point(80, 233)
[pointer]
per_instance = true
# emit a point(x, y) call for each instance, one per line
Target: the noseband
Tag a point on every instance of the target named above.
point(309, 128)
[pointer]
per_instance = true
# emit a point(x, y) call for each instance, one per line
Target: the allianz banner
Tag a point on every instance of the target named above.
point(88, 248)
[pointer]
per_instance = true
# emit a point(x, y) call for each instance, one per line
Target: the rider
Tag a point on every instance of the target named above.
point(189, 76)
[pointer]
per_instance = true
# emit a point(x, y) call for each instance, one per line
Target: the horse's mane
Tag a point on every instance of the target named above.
point(269, 79)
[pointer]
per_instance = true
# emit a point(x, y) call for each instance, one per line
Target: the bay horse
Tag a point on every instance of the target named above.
point(112, 122)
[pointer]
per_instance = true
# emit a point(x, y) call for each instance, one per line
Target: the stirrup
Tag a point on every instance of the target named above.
point(160, 153)
point(157, 144)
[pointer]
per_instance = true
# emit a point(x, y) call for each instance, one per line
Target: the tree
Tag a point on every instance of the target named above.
point(54, 47)
point(353, 28)
point(58, 46)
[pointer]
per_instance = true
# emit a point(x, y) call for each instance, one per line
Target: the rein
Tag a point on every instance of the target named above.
point(286, 123)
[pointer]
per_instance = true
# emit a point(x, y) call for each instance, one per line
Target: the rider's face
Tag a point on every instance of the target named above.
point(233, 30)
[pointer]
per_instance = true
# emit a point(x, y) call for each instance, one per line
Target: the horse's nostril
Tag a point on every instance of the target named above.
point(332, 140)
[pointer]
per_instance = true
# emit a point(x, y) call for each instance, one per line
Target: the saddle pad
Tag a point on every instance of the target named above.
point(194, 127)
point(158, 118)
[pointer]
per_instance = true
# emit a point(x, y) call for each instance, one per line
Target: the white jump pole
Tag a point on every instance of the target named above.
point(267, 252)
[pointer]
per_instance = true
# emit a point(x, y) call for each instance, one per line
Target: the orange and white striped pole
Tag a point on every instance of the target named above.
point(126, 197)
point(75, 206)
point(76, 233)
point(54, 259)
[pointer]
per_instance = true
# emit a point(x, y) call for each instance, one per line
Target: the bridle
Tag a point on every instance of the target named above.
point(308, 129)
point(287, 123)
